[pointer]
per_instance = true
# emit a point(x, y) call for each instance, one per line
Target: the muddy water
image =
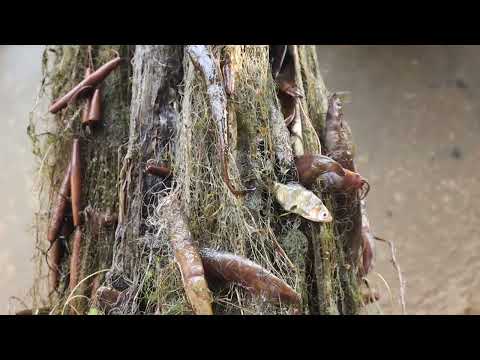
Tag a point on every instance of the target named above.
point(416, 122)
point(415, 116)
point(19, 82)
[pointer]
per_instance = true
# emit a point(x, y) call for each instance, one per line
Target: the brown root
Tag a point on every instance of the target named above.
point(160, 171)
point(90, 82)
point(241, 271)
point(58, 212)
point(76, 182)
point(75, 259)
point(188, 261)
point(54, 257)
point(86, 108)
point(203, 61)
point(95, 112)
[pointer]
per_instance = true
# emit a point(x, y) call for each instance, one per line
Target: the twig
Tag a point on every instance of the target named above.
point(284, 254)
point(71, 297)
point(399, 273)
point(280, 63)
point(386, 285)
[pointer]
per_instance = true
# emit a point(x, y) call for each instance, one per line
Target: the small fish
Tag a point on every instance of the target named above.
point(310, 166)
point(296, 199)
point(351, 181)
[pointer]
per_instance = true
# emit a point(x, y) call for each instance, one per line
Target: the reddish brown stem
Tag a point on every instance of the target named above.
point(228, 76)
point(86, 109)
point(58, 212)
point(95, 113)
point(236, 269)
point(75, 259)
point(91, 81)
point(54, 257)
point(158, 170)
point(76, 182)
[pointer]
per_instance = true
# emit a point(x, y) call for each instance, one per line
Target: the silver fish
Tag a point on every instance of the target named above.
point(296, 199)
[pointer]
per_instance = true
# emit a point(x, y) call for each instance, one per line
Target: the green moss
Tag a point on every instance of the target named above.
point(99, 149)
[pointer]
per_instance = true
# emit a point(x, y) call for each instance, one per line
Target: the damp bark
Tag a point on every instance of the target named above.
point(156, 110)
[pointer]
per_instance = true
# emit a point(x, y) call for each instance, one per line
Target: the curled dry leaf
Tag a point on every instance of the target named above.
point(296, 199)
point(251, 276)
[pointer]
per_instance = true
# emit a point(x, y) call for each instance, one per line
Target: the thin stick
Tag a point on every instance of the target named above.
point(90, 58)
point(70, 297)
point(280, 63)
point(284, 254)
point(387, 286)
point(399, 273)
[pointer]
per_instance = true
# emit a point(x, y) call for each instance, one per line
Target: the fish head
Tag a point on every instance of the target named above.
point(319, 213)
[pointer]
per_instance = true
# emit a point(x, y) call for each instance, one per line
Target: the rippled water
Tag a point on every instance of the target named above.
point(19, 82)
point(415, 116)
